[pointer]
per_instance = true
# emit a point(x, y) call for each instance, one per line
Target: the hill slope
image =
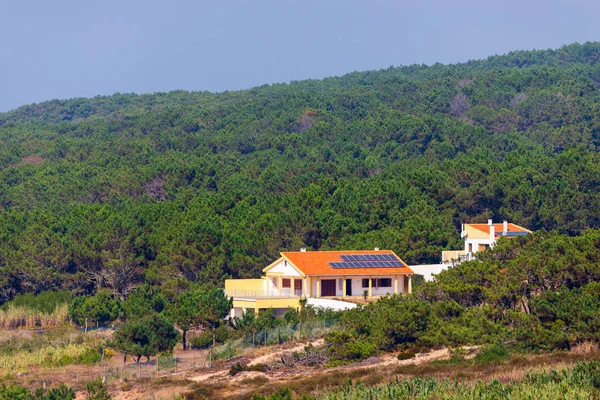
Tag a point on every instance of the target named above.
point(112, 191)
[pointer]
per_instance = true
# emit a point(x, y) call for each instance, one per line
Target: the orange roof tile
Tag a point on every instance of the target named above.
point(499, 228)
point(317, 263)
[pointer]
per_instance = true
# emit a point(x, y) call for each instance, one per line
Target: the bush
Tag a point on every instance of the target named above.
point(406, 355)
point(239, 367)
point(491, 354)
point(90, 356)
point(205, 339)
point(257, 367)
point(346, 349)
point(236, 369)
point(97, 390)
point(101, 308)
point(18, 392)
point(45, 302)
point(202, 341)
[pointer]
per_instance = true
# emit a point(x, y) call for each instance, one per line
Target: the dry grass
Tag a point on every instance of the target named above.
point(513, 369)
point(23, 317)
point(586, 348)
point(26, 351)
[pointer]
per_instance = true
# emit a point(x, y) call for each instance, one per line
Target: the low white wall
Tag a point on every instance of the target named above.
point(333, 304)
point(428, 271)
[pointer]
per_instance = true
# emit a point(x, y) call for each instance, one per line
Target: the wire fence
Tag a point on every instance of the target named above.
point(117, 369)
point(113, 370)
point(269, 337)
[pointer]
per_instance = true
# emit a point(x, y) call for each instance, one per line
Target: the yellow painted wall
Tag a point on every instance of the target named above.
point(473, 233)
point(278, 303)
point(244, 304)
point(450, 255)
point(244, 284)
point(267, 303)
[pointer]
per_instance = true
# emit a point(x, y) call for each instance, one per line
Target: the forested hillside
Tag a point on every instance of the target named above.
point(187, 186)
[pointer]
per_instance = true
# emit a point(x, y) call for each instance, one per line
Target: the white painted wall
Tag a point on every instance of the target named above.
point(476, 243)
point(236, 312)
point(430, 270)
point(333, 304)
point(285, 268)
point(357, 289)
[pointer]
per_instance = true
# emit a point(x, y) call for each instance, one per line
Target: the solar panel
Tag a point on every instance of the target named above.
point(369, 257)
point(366, 264)
point(513, 233)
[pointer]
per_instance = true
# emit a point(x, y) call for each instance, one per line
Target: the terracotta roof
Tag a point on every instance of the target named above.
point(499, 228)
point(317, 263)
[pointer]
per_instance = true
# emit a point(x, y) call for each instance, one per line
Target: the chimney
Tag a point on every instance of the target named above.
point(302, 249)
point(505, 227)
point(376, 248)
point(490, 222)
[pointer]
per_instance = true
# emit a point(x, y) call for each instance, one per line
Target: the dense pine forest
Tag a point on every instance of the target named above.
point(169, 188)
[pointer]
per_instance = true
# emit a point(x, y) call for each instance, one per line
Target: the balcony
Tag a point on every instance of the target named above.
point(456, 256)
point(263, 294)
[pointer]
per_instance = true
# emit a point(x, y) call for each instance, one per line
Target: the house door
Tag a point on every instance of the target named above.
point(348, 287)
point(297, 287)
point(328, 287)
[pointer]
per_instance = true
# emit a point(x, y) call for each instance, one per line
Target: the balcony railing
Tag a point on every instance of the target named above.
point(263, 294)
point(456, 256)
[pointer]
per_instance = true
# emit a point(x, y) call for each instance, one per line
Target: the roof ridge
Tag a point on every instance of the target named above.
point(329, 251)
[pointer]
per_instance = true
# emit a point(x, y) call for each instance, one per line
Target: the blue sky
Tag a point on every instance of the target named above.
point(63, 49)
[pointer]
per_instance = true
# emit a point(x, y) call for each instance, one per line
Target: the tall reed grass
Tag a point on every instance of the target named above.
point(23, 351)
point(14, 317)
point(580, 382)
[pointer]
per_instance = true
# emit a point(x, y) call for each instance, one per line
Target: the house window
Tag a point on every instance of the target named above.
point(384, 282)
point(286, 283)
point(365, 283)
point(340, 284)
point(297, 284)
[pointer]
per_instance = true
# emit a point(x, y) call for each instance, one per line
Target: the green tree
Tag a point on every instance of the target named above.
point(146, 337)
point(185, 313)
point(101, 308)
point(214, 307)
point(142, 301)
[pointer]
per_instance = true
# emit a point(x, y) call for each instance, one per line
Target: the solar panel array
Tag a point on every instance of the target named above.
point(512, 233)
point(368, 257)
point(367, 264)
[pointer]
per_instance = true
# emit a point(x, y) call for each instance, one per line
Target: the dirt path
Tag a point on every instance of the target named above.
point(262, 356)
point(272, 356)
point(282, 376)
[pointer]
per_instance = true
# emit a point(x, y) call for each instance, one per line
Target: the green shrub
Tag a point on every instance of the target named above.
point(166, 361)
point(491, 354)
point(97, 390)
point(236, 369)
point(90, 356)
point(406, 355)
point(45, 302)
point(257, 367)
point(344, 348)
point(239, 367)
point(205, 339)
point(202, 341)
